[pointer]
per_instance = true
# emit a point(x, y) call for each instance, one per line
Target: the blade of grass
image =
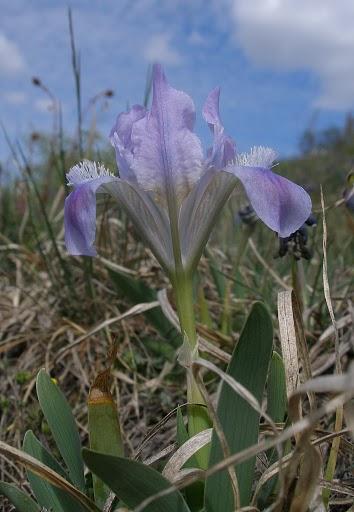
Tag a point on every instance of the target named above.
point(75, 61)
point(333, 455)
point(40, 469)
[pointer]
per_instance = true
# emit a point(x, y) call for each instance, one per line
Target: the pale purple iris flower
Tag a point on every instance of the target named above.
point(170, 190)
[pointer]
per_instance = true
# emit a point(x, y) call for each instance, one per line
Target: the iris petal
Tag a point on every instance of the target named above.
point(121, 140)
point(149, 220)
point(148, 217)
point(80, 216)
point(281, 204)
point(199, 213)
point(223, 150)
point(167, 154)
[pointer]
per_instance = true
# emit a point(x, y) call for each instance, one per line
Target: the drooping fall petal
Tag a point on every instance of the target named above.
point(279, 203)
point(80, 213)
point(80, 218)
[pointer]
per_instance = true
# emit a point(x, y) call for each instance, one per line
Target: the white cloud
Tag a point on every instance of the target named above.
point(302, 35)
point(15, 97)
point(159, 49)
point(11, 59)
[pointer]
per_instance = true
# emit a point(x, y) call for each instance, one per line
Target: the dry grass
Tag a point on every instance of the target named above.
point(41, 328)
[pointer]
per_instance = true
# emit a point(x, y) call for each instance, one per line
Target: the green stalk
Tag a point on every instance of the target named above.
point(198, 419)
point(183, 288)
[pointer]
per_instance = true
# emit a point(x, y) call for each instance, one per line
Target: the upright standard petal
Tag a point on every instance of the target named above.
point(223, 150)
point(281, 204)
point(167, 154)
point(80, 212)
point(121, 140)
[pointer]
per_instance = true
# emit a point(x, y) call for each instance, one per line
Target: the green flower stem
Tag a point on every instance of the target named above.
point(183, 288)
point(198, 419)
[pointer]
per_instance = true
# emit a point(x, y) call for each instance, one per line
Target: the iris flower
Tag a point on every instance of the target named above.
point(173, 193)
point(170, 189)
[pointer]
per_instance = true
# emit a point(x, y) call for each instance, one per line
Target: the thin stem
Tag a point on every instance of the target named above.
point(183, 289)
point(62, 150)
point(75, 59)
point(198, 419)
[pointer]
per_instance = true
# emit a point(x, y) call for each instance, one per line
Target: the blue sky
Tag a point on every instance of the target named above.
point(281, 64)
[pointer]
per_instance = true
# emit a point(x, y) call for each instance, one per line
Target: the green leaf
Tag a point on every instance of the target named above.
point(276, 409)
point(19, 499)
point(34, 447)
point(48, 496)
point(240, 422)
point(195, 492)
point(219, 279)
point(182, 434)
point(45, 472)
point(133, 482)
point(276, 389)
point(137, 291)
point(182, 437)
point(63, 427)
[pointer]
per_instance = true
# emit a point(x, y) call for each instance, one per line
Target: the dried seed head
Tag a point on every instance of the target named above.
point(36, 81)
